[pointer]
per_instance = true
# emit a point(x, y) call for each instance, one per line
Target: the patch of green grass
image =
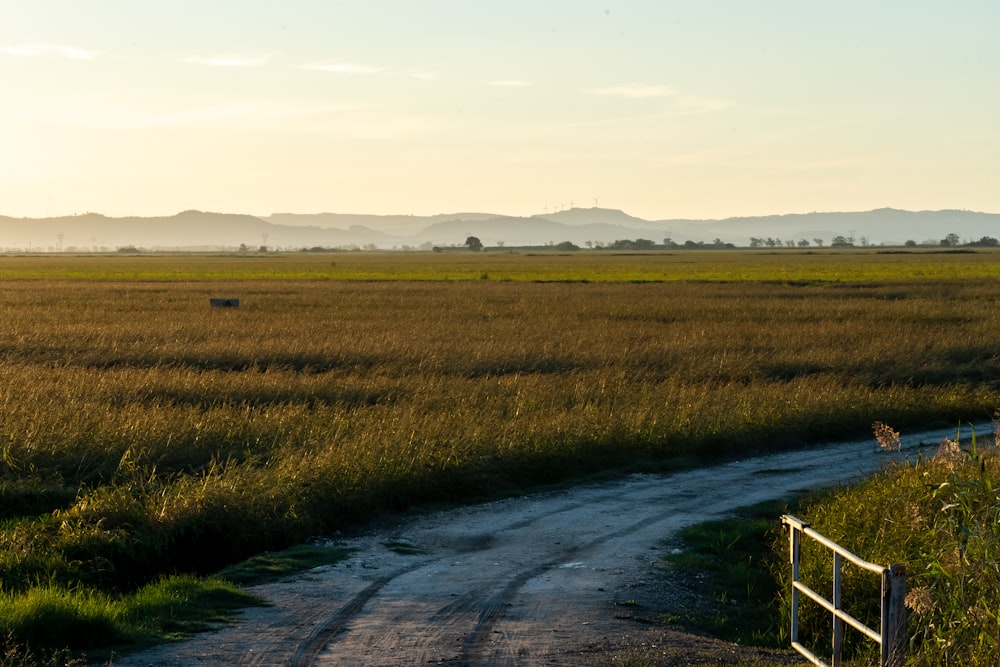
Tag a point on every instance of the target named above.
point(52, 624)
point(178, 606)
point(55, 617)
point(281, 564)
point(731, 562)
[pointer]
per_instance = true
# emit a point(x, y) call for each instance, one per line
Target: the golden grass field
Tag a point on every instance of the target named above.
point(144, 433)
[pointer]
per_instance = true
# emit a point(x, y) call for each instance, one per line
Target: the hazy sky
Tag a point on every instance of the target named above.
point(700, 108)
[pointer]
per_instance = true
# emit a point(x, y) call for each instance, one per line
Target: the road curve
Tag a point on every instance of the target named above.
point(523, 581)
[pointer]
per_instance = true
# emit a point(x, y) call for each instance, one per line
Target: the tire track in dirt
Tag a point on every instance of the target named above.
point(480, 617)
point(493, 610)
point(325, 631)
point(522, 581)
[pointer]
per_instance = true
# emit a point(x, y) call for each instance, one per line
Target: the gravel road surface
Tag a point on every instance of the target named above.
point(534, 580)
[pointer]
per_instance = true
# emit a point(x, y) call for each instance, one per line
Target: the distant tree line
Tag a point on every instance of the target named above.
point(474, 244)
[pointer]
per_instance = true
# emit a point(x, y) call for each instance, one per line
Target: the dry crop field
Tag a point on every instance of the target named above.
point(143, 433)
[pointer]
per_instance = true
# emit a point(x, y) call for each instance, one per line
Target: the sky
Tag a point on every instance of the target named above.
point(665, 109)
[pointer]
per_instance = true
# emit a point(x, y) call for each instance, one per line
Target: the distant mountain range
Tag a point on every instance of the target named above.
point(194, 230)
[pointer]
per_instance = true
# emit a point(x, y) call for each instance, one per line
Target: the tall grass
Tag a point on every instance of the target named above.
point(142, 433)
point(940, 517)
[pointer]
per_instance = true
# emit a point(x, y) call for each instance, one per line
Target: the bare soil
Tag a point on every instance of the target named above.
point(573, 577)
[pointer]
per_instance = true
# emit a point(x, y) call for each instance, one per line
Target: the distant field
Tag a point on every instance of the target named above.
point(546, 266)
point(144, 433)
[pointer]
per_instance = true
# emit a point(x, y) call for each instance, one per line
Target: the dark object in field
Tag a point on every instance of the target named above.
point(224, 303)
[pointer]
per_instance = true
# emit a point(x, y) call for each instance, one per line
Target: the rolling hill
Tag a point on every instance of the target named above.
point(193, 230)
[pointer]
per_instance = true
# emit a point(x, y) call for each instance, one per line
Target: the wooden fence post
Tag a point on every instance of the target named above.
point(894, 616)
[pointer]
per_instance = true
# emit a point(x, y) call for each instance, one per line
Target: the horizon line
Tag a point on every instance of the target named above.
point(498, 215)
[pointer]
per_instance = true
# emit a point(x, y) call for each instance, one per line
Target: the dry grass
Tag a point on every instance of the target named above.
point(143, 433)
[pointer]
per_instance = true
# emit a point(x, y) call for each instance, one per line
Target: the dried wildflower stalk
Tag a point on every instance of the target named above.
point(887, 438)
point(920, 601)
point(949, 452)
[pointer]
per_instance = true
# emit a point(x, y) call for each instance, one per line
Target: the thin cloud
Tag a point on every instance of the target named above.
point(425, 75)
point(511, 83)
point(49, 50)
point(694, 104)
point(344, 68)
point(637, 91)
point(682, 103)
point(227, 60)
point(357, 68)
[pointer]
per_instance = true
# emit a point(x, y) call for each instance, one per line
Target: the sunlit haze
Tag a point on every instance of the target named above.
point(663, 109)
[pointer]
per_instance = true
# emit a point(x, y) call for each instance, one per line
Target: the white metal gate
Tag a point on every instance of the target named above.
point(891, 636)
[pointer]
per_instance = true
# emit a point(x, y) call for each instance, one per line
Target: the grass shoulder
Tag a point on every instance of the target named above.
point(723, 572)
point(936, 513)
point(54, 625)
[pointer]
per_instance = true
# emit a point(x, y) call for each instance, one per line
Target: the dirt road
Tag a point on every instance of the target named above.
point(537, 580)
